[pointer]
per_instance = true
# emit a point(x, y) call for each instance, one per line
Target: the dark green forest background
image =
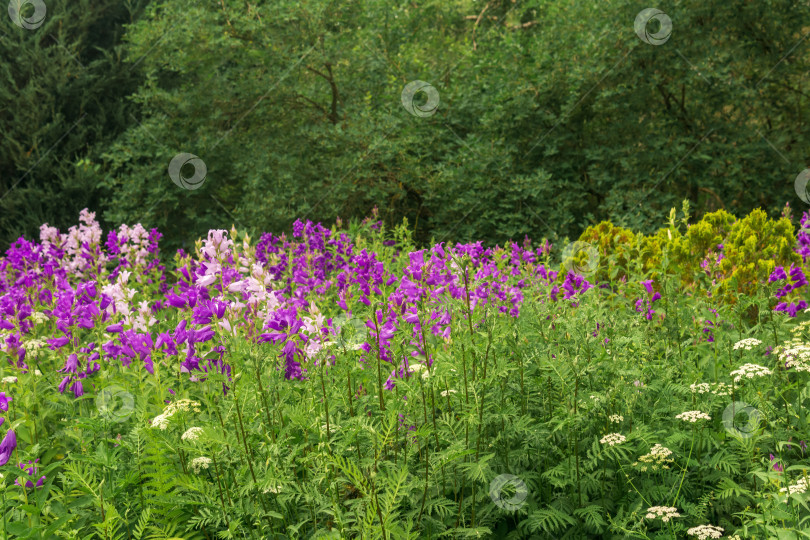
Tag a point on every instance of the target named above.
point(553, 114)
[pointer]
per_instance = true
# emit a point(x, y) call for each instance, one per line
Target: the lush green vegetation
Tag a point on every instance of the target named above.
point(341, 384)
point(429, 370)
point(553, 115)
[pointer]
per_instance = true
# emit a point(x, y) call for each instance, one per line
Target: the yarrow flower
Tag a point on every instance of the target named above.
point(749, 371)
point(718, 389)
point(192, 434)
point(9, 380)
point(658, 457)
point(446, 393)
point(182, 405)
point(199, 463)
point(664, 512)
point(613, 439)
point(800, 486)
point(795, 353)
point(704, 532)
point(747, 344)
point(693, 416)
point(616, 418)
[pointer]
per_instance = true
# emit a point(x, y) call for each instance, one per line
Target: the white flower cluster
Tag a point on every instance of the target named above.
point(693, 416)
point(799, 487)
point(192, 434)
point(39, 317)
point(795, 354)
point(664, 512)
point(34, 344)
point(700, 388)
point(747, 344)
point(273, 489)
point(704, 532)
point(9, 380)
point(181, 405)
point(200, 463)
point(717, 389)
point(616, 418)
point(446, 393)
point(749, 371)
point(613, 439)
point(416, 368)
point(658, 457)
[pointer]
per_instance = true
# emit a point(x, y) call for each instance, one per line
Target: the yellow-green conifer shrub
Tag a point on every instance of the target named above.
point(755, 245)
point(652, 250)
point(701, 238)
point(751, 248)
point(617, 248)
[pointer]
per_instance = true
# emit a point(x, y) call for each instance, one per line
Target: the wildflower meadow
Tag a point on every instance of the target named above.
point(340, 383)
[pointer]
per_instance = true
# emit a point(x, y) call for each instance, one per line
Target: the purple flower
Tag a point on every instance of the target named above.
point(56, 343)
point(71, 365)
point(7, 446)
point(776, 466)
point(32, 471)
point(4, 399)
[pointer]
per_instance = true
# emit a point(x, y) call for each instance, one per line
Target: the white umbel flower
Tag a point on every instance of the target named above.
point(192, 434)
point(664, 512)
point(659, 456)
point(9, 380)
point(612, 439)
point(616, 418)
point(749, 371)
point(747, 344)
point(200, 463)
point(693, 416)
point(704, 532)
point(718, 389)
point(181, 405)
point(799, 487)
